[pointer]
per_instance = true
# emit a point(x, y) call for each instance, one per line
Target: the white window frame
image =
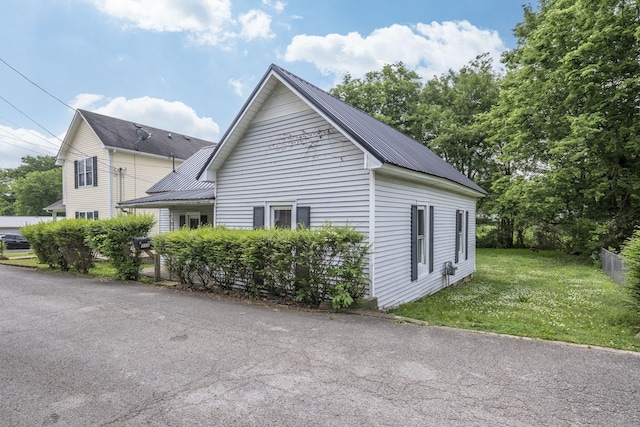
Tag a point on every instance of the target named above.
point(422, 241)
point(461, 233)
point(85, 214)
point(271, 207)
point(82, 172)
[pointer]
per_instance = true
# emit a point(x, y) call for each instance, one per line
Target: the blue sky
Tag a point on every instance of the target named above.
point(189, 65)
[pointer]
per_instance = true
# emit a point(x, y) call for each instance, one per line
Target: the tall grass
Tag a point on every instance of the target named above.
point(544, 295)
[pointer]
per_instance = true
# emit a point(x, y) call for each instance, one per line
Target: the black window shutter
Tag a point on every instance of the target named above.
point(431, 223)
point(258, 217)
point(95, 214)
point(77, 214)
point(414, 242)
point(95, 171)
point(75, 174)
point(182, 220)
point(457, 241)
point(204, 219)
point(303, 216)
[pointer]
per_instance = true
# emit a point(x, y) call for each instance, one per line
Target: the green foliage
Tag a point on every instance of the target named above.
point(631, 257)
point(308, 266)
point(37, 190)
point(26, 189)
point(44, 245)
point(2, 248)
point(568, 124)
point(113, 238)
point(70, 238)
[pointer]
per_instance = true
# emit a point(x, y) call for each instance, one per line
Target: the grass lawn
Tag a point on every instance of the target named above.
point(27, 259)
point(544, 295)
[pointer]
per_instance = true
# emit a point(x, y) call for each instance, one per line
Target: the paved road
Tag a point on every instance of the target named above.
point(78, 352)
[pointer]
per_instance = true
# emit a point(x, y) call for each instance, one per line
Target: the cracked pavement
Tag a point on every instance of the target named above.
point(79, 351)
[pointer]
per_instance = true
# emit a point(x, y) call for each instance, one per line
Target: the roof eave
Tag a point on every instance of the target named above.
point(432, 180)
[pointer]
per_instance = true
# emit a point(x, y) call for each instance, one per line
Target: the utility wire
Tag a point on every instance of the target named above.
point(37, 85)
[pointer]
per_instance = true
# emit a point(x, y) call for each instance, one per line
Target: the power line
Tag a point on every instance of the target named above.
point(37, 85)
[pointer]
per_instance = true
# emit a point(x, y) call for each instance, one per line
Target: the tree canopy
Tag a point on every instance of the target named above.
point(555, 140)
point(30, 187)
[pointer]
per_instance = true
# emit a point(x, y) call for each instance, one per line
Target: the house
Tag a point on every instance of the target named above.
point(107, 160)
point(295, 154)
point(181, 198)
point(12, 224)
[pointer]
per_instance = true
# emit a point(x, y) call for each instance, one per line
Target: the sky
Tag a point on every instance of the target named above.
point(188, 66)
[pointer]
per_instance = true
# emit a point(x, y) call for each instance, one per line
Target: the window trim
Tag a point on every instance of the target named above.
point(86, 213)
point(421, 244)
point(273, 206)
point(462, 235)
point(80, 170)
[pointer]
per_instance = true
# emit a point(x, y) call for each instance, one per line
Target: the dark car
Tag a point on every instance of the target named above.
point(15, 241)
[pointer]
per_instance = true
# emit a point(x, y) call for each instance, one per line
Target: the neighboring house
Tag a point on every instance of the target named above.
point(295, 154)
point(181, 198)
point(107, 160)
point(12, 224)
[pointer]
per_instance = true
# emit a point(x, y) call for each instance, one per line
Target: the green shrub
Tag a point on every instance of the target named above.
point(41, 236)
point(308, 266)
point(70, 237)
point(631, 258)
point(2, 248)
point(114, 237)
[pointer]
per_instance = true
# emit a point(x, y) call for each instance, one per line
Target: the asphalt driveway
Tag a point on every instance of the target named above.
point(76, 352)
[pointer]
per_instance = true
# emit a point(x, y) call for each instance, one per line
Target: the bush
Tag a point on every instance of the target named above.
point(631, 258)
point(70, 237)
point(308, 266)
point(114, 237)
point(44, 246)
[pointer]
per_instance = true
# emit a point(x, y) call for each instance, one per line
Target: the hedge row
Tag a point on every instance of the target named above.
point(75, 242)
point(631, 257)
point(308, 266)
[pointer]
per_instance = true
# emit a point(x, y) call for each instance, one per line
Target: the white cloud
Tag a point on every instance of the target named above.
point(17, 143)
point(430, 49)
point(277, 5)
point(173, 116)
point(255, 24)
point(87, 101)
point(204, 21)
point(237, 86)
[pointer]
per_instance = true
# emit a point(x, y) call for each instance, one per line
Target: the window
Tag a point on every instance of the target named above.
point(462, 235)
point(193, 220)
point(86, 172)
point(87, 214)
point(421, 240)
point(282, 215)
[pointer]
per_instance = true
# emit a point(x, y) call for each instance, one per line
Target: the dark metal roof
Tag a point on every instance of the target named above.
point(117, 133)
point(185, 176)
point(381, 140)
point(181, 197)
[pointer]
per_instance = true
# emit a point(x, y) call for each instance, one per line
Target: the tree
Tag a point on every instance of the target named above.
point(37, 190)
point(568, 119)
point(9, 204)
point(450, 108)
point(391, 95)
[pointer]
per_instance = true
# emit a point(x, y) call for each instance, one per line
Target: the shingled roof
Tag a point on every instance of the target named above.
point(122, 134)
point(383, 142)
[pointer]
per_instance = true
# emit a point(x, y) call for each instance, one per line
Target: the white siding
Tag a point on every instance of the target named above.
point(289, 153)
point(393, 200)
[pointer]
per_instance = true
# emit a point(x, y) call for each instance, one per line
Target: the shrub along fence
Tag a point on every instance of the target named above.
point(631, 257)
point(308, 266)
